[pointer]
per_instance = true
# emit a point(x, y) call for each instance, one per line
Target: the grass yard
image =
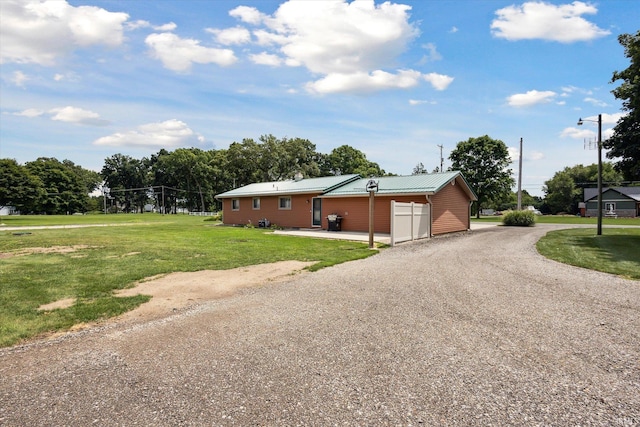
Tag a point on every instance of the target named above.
point(42, 266)
point(616, 251)
point(556, 219)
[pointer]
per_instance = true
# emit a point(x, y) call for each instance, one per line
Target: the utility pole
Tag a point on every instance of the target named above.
point(520, 179)
point(441, 159)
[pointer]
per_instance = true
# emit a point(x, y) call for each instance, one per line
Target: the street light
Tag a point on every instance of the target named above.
point(599, 121)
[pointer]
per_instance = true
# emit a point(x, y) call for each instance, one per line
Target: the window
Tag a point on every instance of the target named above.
point(284, 202)
point(256, 203)
point(610, 207)
point(235, 204)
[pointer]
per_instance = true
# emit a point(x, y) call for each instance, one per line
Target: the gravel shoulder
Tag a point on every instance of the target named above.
point(468, 329)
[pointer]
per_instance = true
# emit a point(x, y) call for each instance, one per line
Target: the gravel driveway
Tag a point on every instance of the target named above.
point(471, 329)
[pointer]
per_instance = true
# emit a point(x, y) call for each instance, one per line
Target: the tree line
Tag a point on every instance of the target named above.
point(186, 178)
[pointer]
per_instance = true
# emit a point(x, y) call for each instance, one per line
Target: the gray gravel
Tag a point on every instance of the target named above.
point(471, 329)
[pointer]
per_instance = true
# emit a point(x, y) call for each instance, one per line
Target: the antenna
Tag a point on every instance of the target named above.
point(441, 159)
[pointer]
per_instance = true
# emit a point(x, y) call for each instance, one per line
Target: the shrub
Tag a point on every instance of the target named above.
point(519, 218)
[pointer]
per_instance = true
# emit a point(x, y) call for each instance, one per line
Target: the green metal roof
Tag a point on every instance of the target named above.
point(397, 185)
point(305, 185)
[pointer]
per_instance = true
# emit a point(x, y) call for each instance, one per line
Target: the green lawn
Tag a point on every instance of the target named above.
point(110, 258)
point(616, 251)
point(555, 219)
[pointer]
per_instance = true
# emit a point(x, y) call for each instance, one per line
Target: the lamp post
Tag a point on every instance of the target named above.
point(599, 121)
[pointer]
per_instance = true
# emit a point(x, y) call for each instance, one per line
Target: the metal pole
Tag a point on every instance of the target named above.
point(371, 205)
point(520, 179)
point(441, 159)
point(599, 174)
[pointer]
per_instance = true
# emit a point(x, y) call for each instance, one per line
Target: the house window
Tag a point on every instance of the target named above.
point(235, 204)
point(256, 203)
point(610, 207)
point(284, 202)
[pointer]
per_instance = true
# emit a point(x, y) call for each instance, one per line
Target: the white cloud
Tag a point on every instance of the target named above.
point(595, 102)
point(607, 119)
point(19, 78)
point(231, 36)
point(534, 155)
point(265, 58)
point(453, 30)
point(77, 115)
point(514, 154)
point(351, 45)
point(30, 112)
point(179, 54)
point(58, 77)
point(532, 97)
point(421, 101)
point(577, 133)
point(166, 27)
point(247, 14)
point(34, 31)
point(168, 134)
point(438, 81)
point(432, 53)
point(540, 20)
point(364, 82)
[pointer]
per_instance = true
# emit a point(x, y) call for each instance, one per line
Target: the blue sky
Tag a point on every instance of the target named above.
point(85, 79)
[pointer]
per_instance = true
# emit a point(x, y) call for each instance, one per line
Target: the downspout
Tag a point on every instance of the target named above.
point(469, 216)
point(430, 215)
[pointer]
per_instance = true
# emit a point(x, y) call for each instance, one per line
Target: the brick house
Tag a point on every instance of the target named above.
point(306, 203)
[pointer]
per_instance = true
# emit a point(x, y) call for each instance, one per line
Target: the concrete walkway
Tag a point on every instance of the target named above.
point(358, 236)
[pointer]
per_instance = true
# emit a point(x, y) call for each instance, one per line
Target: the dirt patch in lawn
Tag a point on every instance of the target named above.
point(49, 250)
point(175, 291)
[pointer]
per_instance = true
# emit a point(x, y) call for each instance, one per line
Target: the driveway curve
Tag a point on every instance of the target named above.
point(469, 329)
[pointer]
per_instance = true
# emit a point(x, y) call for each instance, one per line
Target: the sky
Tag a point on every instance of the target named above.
point(83, 80)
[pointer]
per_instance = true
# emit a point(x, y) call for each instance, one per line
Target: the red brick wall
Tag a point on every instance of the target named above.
point(450, 210)
point(355, 211)
point(299, 216)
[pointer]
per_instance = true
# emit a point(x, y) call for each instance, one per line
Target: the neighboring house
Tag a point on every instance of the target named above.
point(306, 203)
point(616, 201)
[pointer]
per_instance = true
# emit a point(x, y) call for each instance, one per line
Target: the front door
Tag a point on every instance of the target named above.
point(317, 212)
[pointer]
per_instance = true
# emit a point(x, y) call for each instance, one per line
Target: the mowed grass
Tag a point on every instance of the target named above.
point(616, 251)
point(557, 219)
point(104, 259)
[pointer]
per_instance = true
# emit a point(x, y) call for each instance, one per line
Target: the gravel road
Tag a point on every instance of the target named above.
point(470, 329)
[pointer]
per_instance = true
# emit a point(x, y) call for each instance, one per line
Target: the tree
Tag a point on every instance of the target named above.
point(19, 187)
point(483, 162)
point(625, 142)
point(128, 180)
point(347, 160)
point(419, 169)
point(566, 188)
point(67, 185)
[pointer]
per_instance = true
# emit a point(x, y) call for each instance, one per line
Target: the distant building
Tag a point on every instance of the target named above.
point(616, 201)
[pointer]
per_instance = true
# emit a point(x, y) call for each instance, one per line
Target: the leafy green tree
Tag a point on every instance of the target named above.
point(566, 188)
point(419, 169)
point(483, 161)
point(625, 142)
point(347, 160)
point(66, 185)
point(19, 187)
point(128, 180)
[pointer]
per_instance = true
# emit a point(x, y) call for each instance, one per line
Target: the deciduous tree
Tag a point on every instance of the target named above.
point(625, 142)
point(484, 163)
